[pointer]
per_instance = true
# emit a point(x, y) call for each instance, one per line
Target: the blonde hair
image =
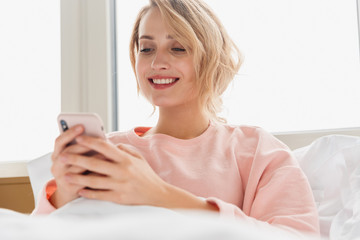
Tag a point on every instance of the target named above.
point(217, 59)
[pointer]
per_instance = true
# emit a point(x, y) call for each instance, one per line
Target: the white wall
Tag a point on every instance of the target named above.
point(29, 77)
point(301, 68)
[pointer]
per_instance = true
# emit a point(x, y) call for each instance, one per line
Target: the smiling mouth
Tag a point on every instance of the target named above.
point(163, 81)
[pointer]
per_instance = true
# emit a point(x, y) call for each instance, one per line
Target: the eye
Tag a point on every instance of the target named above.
point(146, 50)
point(178, 49)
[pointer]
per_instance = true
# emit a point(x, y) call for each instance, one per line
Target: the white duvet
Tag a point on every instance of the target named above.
point(332, 165)
point(80, 219)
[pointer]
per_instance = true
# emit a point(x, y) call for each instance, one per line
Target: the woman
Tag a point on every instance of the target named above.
point(183, 60)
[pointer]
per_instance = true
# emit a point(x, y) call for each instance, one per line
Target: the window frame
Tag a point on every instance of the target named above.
point(88, 59)
point(358, 18)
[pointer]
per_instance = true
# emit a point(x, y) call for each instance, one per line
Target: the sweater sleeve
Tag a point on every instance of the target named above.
point(43, 206)
point(276, 191)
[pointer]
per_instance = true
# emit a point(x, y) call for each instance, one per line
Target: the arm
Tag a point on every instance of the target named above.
point(43, 206)
point(133, 167)
point(124, 177)
point(279, 202)
point(276, 190)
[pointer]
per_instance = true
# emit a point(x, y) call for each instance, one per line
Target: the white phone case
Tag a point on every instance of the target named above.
point(91, 121)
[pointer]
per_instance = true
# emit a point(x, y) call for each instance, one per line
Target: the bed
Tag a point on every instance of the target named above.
point(330, 159)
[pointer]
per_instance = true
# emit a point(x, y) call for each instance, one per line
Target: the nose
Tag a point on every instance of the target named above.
point(160, 61)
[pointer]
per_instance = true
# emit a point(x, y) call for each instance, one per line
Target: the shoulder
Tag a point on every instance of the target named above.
point(266, 152)
point(117, 137)
point(131, 137)
point(252, 138)
point(254, 133)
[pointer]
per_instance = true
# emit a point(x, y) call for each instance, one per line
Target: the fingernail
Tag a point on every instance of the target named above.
point(79, 139)
point(63, 158)
point(79, 129)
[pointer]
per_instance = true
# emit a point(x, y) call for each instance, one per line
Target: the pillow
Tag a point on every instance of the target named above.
point(39, 173)
point(332, 165)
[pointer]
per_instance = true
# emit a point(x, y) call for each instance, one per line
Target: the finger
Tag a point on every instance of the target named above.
point(99, 156)
point(59, 168)
point(110, 151)
point(105, 195)
point(65, 138)
point(92, 163)
point(76, 169)
point(93, 181)
point(76, 149)
point(68, 187)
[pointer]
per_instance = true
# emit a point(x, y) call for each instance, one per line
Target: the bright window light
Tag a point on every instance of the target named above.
point(301, 69)
point(29, 77)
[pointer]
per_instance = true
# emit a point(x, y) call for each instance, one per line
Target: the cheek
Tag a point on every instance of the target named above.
point(188, 69)
point(140, 69)
point(188, 66)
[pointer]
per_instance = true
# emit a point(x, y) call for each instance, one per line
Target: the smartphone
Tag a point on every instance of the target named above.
point(92, 123)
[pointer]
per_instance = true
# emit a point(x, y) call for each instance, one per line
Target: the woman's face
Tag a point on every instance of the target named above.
point(165, 70)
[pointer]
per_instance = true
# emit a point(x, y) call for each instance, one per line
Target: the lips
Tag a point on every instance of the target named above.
point(162, 82)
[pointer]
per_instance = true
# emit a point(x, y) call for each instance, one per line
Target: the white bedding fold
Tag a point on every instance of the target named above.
point(332, 165)
point(91, 219)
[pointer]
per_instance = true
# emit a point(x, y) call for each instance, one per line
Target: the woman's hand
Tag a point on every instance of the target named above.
point(66, 191)
point(121, 176)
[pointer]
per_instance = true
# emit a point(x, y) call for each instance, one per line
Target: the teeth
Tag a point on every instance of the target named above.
point(164, 81)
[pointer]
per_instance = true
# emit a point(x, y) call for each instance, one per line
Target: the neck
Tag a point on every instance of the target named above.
point(184, 122)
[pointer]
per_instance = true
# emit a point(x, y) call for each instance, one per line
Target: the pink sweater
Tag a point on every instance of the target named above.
point(243, 170)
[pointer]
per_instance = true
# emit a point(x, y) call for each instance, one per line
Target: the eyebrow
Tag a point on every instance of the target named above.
point(151, 38)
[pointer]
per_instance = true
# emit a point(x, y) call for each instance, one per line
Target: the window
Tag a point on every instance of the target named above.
point(29, 77)
point(301, 68)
